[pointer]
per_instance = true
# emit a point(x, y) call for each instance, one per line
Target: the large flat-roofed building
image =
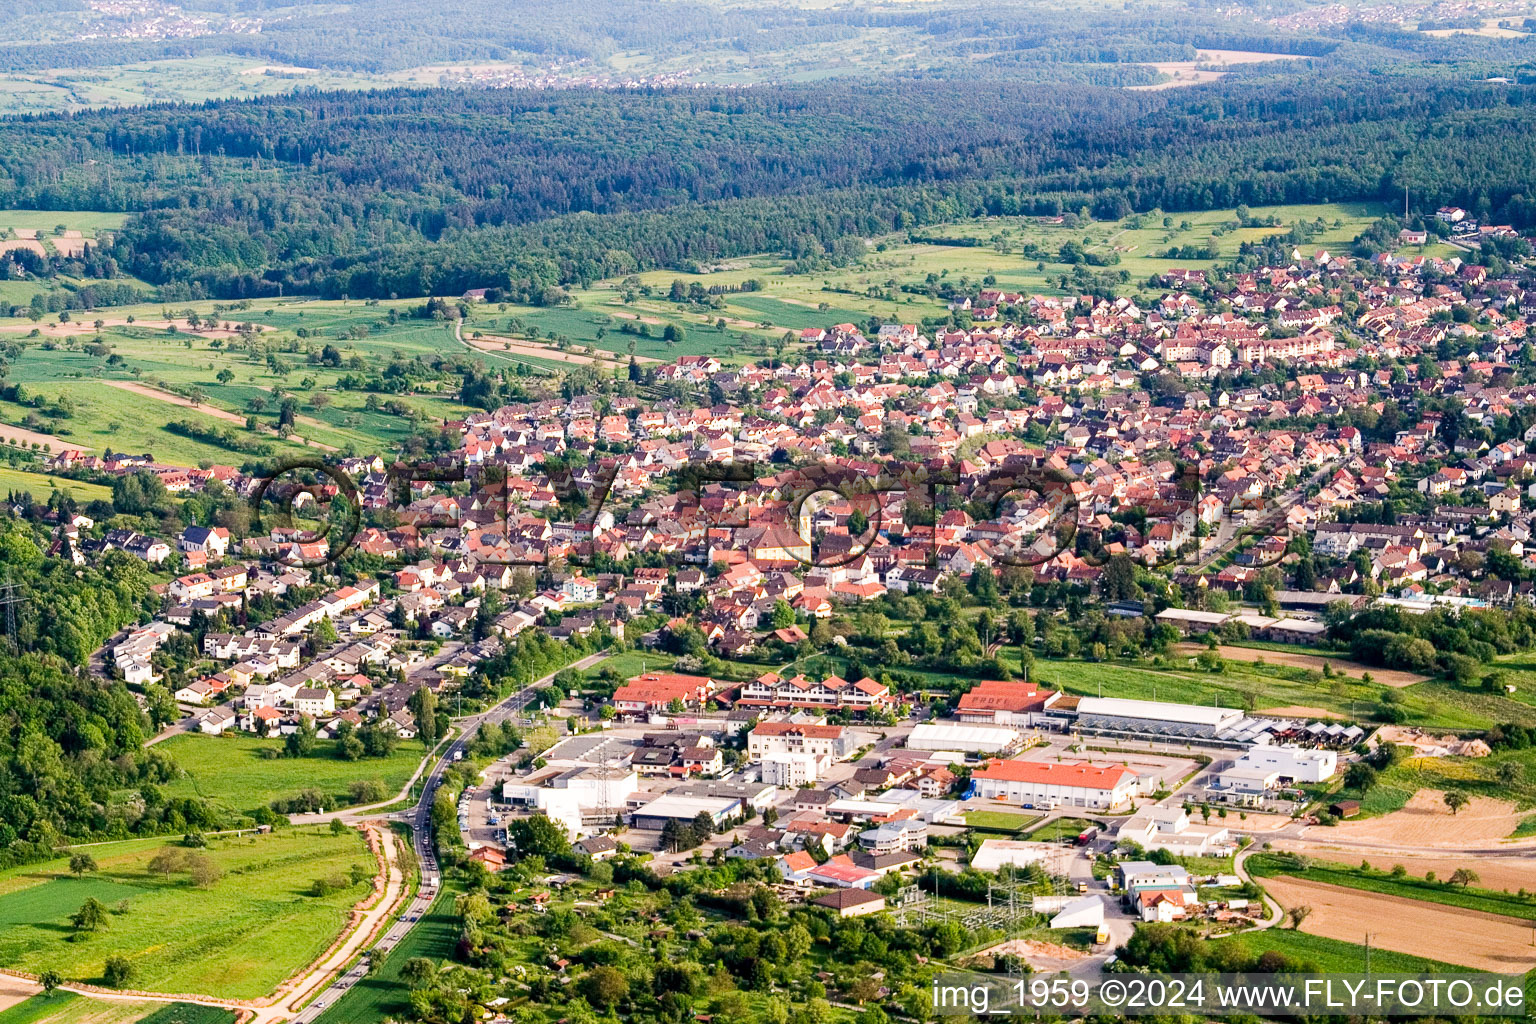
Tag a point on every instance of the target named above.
point(1056, 784)
point(1160, 720)
point(993, 854)
point(678, 807)
point(1188, 620)
point(982, 739)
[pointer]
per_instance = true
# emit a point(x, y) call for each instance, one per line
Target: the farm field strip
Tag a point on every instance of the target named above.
point(1486, 942)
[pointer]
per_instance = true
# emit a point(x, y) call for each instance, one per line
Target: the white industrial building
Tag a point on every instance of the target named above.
point(1167, 722)
point(1252, 778)
point(978, 739)
point(883, 805)
point(1087, 912)
point(996, 853)
point(1293, 763)
point(1050, 784)
point(791, 771)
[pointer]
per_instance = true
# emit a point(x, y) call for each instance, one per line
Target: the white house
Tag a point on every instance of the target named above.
point(216, 721)
point(1169, 828)
point(314, 701)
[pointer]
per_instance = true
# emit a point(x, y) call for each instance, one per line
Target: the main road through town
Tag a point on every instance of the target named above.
point(420, 819)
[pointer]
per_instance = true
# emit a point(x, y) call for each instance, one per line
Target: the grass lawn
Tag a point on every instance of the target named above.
point(1061, 828)
point(1335, 957)
point(1000, 821)
point(237, 938)
point(384, 996)
point(633, 663)
point(230, 771)
point(1488, 901)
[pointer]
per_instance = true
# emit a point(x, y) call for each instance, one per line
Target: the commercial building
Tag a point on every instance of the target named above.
point(1087, 912)
point(1293, 763)
point(1167, 722)
point(1252, 778)
point(980, 739)
point(993, 702)
point(1056, 784)
point(1187, 620)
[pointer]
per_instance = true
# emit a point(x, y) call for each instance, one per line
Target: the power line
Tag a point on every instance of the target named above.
point(10, 597)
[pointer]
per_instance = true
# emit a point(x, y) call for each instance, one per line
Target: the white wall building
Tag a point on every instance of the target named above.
point(791, 771)
point(982, 739)
point(1298, 764)
point(829, 741)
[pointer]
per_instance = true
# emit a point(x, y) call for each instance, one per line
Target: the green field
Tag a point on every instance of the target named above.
point(1000, 821)
point(1429, 704)
point(41, 485)
point(87, 222)
point(1335, 957)
point(189, 1013)
point(633, 663)
point(69, 1008)
point(237, 938)
point(383, 996)
point(230, 771)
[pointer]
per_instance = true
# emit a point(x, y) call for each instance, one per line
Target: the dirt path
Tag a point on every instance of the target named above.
point(1426, 822)
point(1487, 942)
point(16, 990)
point(1341, 665)
point(1299, 711)
point(31, 437)
point(514, 346)
point(293, 994)
point(219, 414)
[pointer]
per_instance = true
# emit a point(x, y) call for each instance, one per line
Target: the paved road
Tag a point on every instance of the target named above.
point(420, 818)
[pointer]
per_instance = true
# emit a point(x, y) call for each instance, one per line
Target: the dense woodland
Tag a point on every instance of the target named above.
point(421, 192)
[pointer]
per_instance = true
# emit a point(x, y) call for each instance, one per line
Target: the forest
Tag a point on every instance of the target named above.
point(411, 192)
